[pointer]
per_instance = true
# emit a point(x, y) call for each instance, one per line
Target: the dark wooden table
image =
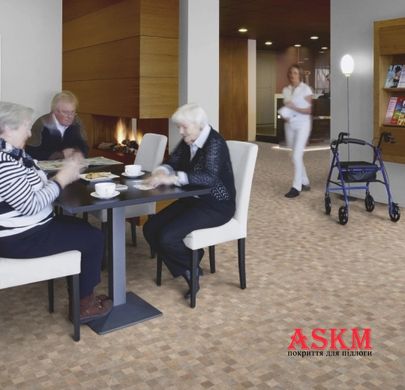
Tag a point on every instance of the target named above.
point(128, 308)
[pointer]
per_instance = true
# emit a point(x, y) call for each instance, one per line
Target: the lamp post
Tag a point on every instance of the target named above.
point(347, 68)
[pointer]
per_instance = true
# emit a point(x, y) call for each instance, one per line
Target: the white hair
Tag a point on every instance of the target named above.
point(190, 113)
point(13, 115)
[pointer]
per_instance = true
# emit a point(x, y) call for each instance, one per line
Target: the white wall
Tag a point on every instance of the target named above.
point(31, 51)
point(352, 32)
point(199, 59)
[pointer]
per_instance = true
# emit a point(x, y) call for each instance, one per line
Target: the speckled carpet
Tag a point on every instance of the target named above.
point(304, 270)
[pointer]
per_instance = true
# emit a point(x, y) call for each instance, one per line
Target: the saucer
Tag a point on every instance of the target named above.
point(95, 195)
point(133, 177)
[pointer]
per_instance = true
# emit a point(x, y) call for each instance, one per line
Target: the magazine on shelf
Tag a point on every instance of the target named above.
point(397, 111)
point(390, 110)
point(401, 82)
point(394, 75)
point(401, 116)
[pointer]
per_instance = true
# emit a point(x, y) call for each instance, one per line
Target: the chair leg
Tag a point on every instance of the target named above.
point(75, 304)
point(194, 265)
point(159, 262)
point(132, 221)
point(241, 261)
point(51, 306)
point(86, 216)
point(211, 250)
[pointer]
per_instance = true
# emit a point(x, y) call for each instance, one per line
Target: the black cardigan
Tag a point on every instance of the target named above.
point(210, 167)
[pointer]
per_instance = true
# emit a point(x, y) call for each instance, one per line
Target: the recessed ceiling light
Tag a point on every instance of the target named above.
point(268, 43)
point(314, 37)
point(321, 51)
point(297, 45)
point(243, 30)
point(324, 48)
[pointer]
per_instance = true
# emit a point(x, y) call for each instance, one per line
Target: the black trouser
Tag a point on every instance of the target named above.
point(61, 234)
point(165, 231)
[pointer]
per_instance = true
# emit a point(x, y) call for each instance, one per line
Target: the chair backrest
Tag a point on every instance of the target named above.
point(243, 158)
point(151, 151)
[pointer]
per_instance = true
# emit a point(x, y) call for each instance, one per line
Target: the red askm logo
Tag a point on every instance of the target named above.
point(333, 339)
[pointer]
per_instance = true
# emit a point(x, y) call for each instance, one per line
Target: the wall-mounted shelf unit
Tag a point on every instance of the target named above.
point(389, 49)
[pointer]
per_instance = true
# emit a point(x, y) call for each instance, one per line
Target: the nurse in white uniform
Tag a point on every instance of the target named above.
point(296, 112)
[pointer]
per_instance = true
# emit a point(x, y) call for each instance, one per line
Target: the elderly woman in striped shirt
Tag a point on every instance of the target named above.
point(28, 226)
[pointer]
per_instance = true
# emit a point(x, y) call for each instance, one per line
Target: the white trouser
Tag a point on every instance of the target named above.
point(297, 134)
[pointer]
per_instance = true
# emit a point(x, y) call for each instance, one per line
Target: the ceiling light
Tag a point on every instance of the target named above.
point(268, 43)
point(297, 45)
point(243, 30)
point(324, 48)
point(321, 51)
point(314, 37)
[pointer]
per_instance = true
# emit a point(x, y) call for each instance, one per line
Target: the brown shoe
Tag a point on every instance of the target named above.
point(92, 308)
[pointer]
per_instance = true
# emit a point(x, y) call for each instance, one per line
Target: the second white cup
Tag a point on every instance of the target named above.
point(133, 170)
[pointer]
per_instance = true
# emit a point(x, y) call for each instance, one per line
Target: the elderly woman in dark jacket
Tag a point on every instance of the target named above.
point(202, 159)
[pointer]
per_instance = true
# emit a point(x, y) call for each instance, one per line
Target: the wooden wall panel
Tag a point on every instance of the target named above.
point(160, 18)
point(389, 42)
point(119, 59)
point(233, 89)
point(87, 122)
point(159, 57)
point(158, 97)
point(113, 67)
point(116, 97)
point(105, 25)
point(73, 9)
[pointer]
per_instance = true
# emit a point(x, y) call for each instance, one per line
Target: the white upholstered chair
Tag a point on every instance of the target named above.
point(150, 155)
point(17, 272)
point(243, 158)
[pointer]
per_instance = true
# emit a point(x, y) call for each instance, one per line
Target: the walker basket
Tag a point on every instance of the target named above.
point(358, 171)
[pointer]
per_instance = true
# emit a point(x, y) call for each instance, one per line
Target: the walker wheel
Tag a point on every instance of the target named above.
point(394, 212)
point(328, 205)
point(369, 202)
point(343, 215)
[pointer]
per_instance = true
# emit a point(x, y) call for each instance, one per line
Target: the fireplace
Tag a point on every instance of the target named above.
point(118, 138)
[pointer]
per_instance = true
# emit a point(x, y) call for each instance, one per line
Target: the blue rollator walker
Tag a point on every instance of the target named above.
point(358, 172)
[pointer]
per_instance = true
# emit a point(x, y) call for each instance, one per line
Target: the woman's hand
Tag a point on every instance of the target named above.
point(70, 170)
point(161, 178)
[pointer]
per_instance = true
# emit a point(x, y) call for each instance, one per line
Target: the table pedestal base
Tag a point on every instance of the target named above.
point(133, 311)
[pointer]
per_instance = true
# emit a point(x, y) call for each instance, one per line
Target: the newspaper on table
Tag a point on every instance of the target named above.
point(54, 165)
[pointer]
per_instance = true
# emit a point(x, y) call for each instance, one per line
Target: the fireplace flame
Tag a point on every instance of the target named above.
point(123, 132)
point(120, 131)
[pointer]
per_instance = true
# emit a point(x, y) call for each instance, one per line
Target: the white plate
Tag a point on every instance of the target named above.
point(133, 177)
point(102, 178)
point(95, 195)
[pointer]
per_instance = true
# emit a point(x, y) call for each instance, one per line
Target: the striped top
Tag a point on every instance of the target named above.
point(26, 195)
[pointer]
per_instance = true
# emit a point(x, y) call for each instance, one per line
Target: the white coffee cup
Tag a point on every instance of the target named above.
point(133, 170)
point(105, 190)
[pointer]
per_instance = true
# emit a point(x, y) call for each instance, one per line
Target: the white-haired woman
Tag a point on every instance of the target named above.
point(201, 158)
point(28, 226)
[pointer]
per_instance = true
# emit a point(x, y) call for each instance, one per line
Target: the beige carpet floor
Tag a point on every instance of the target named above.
point(304, 270)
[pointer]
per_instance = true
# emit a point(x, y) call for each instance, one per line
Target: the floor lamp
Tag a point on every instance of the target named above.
point(347, 68)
